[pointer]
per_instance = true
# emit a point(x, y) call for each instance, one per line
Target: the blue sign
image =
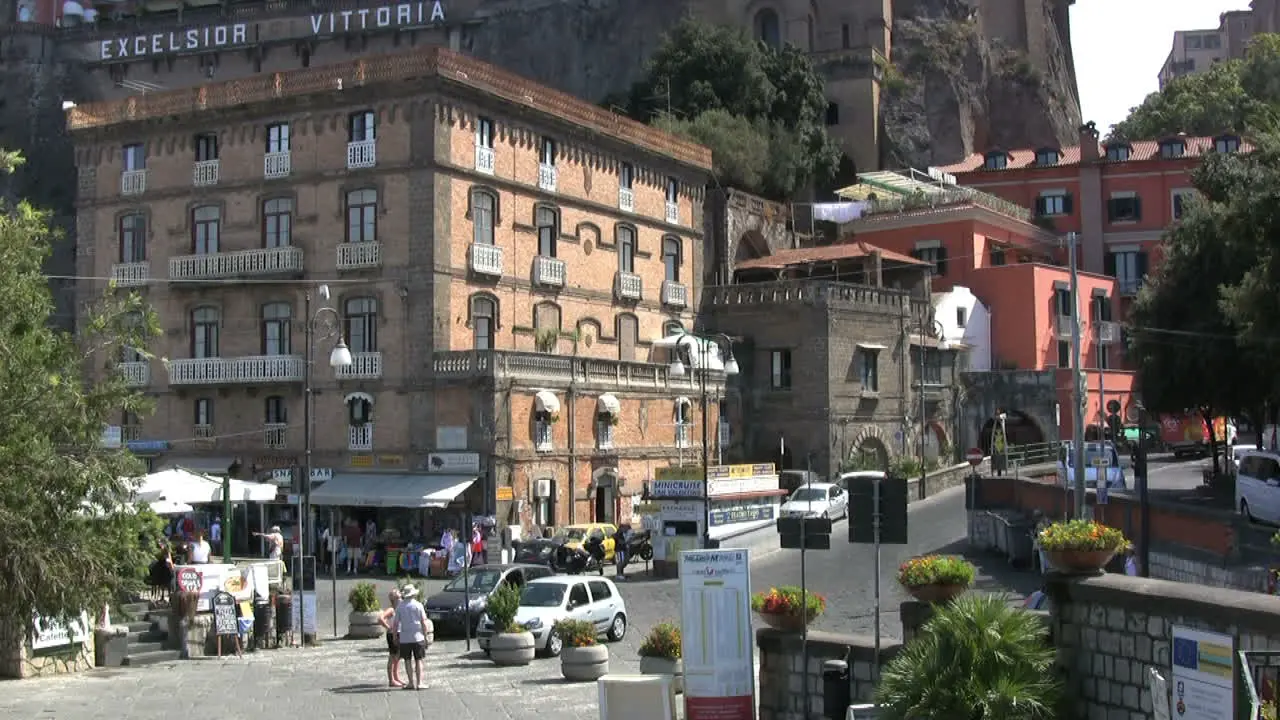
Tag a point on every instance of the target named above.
point(733, 516)
point(147, 446)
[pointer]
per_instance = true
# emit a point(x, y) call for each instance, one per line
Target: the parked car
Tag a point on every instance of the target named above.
point(789, 480)
point(546, 601)
point(1100, 460)
point(817, 500)
point(1258, 486)
point(447, 608)
point(575, 535)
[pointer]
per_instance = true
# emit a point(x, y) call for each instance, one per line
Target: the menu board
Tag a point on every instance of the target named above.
point(224, 614)
point(715, 613)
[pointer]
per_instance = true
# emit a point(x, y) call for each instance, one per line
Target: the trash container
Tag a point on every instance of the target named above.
point(284, 615)
point(393, 561)
point(261, 625)
point(835, 689)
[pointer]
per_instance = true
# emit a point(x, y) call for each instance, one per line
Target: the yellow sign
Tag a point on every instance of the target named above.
point(647, 509)
point(504, 492)
point(719, 472)
point(390, 459)
point(691, 472)
point(361, 461)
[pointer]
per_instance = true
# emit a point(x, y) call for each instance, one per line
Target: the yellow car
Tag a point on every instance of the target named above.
point(575, 535)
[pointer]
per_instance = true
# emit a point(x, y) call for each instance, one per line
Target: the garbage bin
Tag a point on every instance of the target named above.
point(835, 689)
point(284, 615)
point(261, 625)
point(393, 561)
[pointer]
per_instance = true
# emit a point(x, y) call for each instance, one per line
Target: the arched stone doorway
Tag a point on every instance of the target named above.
point(870, 450)
point(935, 442)
point(1020, 429)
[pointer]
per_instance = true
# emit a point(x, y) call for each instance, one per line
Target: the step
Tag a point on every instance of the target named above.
point(143, 648)
point(146, 636)
point(152, 658)
point(139, 626)
point(135, 609)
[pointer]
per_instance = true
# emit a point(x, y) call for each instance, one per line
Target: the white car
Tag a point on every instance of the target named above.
point(827, 500)
point(546, 601)
point(1258, 486)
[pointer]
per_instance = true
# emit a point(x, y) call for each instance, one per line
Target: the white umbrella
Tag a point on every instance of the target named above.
point(184, 486)
point(169, 507)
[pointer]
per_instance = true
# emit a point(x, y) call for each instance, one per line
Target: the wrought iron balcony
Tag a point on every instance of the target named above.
point(484, 159)
point(548, 271)
point(1108, 332)
point(364, 366)
point(275, 435)
point(627, 286)
point(675, 294)
point(205, 173)
point(359, 255)
point(130, 274)
point(136, 373)
point(133, 182)
point(362, 154)
point(242, 263)
point(673, 213)
point(1062, 326)
point(277, 165)
point(542, 436)
point(360, 437)
point(626, 200)
point(249, 370)
point(486, 259)
point(547, 177)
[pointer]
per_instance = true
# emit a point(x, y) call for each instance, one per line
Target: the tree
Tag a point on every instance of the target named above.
point(69, 540)
point(738, 96)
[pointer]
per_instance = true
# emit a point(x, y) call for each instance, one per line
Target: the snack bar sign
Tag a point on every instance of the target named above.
point(225, 37)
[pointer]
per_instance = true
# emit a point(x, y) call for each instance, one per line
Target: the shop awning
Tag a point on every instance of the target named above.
point(206, 465)
point(546, 401)
point(872, 346)
point(608, 403)
point(391, 490)
point(181, 485)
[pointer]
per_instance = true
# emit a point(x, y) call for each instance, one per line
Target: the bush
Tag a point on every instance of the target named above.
point(787, 601)
point(936, 570)
point(575, 633)
point(663, 641)
point(1082, 535)
point(503, 605)
point(364, 598)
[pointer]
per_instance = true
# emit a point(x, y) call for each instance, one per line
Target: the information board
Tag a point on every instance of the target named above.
point(717, 643)
point(224, 614)
point(306, 602)
point(1203, 675)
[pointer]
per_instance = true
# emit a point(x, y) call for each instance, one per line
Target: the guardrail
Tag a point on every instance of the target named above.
point(1033, 453)
point(1258, 669)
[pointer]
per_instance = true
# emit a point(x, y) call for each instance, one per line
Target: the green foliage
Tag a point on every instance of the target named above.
point(1081, 534)
point(862, 461)
point(936, 570)
point(761, 111)
point(546, 340)
point(576, 633)
point(663, 641)
point(504, 603)
point(978, 658)
point(70, 540)
point(364, 598)
point(789, 600)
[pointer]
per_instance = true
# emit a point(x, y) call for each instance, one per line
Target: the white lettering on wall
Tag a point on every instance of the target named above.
point(194, 39)
point(406, 15)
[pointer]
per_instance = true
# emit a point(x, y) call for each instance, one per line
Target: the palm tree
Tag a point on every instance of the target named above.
point(977, 658)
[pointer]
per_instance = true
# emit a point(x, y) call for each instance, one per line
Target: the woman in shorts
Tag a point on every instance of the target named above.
point(387, 619)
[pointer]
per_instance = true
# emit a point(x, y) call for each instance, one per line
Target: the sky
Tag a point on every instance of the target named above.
point(1120, 45)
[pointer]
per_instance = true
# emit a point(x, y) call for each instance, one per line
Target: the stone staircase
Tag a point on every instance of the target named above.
point(148, 634)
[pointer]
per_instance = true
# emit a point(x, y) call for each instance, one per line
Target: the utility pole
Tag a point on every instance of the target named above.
point(1077, 378)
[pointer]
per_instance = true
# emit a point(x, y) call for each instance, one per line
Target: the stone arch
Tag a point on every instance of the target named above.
point(935, 442)
point(871, 440)
point(1021, 428)
point(751, 245)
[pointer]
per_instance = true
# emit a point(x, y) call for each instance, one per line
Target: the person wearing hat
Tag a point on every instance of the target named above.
point(411, 628)
point(275, 542)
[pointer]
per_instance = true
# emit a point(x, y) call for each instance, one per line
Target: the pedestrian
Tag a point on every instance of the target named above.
point(215, 536)
point(332, 544)
point(387, 619)
point(477, 546)
point(275, 542)
point(200, 549)
point(353, 537)
point(620, 552)
point(411, 631)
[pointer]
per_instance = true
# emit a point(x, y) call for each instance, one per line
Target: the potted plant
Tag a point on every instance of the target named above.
point(935, 578)
point(511, 644)
point(362, 623)
point(583, 658)
point(660, 654)
point(1081, 546)
point(978, 657)
point(784, 609)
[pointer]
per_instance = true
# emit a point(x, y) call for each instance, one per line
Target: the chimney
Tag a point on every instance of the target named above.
point(1089, 150)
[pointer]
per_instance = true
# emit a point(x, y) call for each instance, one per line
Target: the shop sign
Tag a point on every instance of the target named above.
point(676, 488)
point(680, 511)
point(504, 493)
point(736, 515)
point(215, 578)
point(738, 486)
point(460, 463)
point(361, 461)
point(687, 472)
point(274, 462)
point(716, 472)
point(112, 437)
point(147, 447)
point(647, 508)
point(283, 477)
point(49, 633)
point(389, 460)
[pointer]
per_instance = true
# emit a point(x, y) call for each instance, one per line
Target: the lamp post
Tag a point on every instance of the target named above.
point(340, 357)
point(730, 367)
point(939, 332)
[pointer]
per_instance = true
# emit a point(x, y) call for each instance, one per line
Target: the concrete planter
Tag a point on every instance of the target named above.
point(364, 626)
point(581, 664)
point(511, 649)
point(664, 666)
point(111, 646)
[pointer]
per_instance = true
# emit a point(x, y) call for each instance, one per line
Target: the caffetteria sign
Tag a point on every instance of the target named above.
point(225, 37)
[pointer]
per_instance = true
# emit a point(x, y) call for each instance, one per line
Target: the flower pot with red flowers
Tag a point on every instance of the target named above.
point(1081, 547)
point(788, 609)
point(936, 578)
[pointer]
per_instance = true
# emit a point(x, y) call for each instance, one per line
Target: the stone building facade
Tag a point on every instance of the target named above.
point(499, 256)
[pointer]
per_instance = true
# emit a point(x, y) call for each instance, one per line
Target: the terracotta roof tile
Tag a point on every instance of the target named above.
point(846, 249)
point(1026, 158)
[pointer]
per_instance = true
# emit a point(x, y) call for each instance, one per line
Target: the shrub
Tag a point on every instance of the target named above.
point(936, 570)
point(787, 601)
point(1082, 535)
point(663, 641)
point(575, 633)
point(364, 598)
point(503, 605)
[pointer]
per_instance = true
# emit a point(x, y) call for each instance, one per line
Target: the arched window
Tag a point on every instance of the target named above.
point(360, 324)
point(204, 332)
point(768, 27)
point(683, 422)
point(672, 328)
point(362, 216)
point(547, 220)
point(546, 316)
point(484, 314)
point(671, 253)
point(276, 339)
point(206, 228)
point(625, 236)
point(628, 336)
point(484, 212)
point(359, 410)
point(277, 222)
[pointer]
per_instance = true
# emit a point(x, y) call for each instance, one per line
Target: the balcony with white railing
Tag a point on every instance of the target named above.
point(1062, 326)
point(675, 294)
point(547, 177)
point(360, 437)
point(277, 165)
point(1108, 332)
point(484, 159)
point(486, 259)
point(542, 437)
point(604, 434)
point(683, 432)
point(242, 263)
point(364, 366)
point(275, 435)
point(626, 200)
point(130, 274)
point(136, 373)
point(359, 255)
point(205, 173)
point(248, 370)
point(673, 213)
point(627, 286)
point(133, 182)
point(548, 271)
point(362, 154)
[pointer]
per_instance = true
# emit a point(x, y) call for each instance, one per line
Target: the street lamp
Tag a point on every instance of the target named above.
point(339, 357)
point(940, 332)
point(730, 367)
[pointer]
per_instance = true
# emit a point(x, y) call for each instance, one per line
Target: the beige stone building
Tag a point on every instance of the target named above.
point(500, 259)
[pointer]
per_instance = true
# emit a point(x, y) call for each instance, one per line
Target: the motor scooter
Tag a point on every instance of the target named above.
point(640, 547)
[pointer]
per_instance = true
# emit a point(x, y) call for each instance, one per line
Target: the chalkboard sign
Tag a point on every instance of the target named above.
point(224, 614)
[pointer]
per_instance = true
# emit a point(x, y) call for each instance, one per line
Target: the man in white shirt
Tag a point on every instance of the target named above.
point(412, 627)
point(215, 535)
point(199, 549)
point(275, 542)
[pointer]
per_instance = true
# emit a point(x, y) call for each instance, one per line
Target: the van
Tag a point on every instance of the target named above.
point(1258, 486)
point(1113, 471)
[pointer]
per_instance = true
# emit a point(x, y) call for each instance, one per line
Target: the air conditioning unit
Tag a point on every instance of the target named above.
point(542, 488)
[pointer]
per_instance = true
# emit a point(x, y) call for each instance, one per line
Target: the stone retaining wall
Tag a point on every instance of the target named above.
point(18, 660)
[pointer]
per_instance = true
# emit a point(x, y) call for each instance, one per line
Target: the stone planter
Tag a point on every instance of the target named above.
point(1079, 562)
point(786, 623)
point(581, 664)
point(936, 592)
point(664, 666)
point(364, 626)
point(111, 646)
point(511, 649)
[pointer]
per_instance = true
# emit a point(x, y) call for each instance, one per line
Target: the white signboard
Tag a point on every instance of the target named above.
point(461, 463)
point(451, 437)
point(49, 633)
point(1159, 688)
point(215, 577)
point(1203, 675)
point(306, 603)
point(717, 643)
point(680, 510)
point(741, 486)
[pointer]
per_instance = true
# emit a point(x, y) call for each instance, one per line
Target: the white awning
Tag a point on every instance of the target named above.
point(391, 490)
point(682, 400)
point(873, 346)
point(608, 403)
point(180, 485)
point(217, 465)
point(546, 401)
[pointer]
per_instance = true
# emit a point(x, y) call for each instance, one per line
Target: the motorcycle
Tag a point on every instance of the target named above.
point(640, 547)
point(576, 561)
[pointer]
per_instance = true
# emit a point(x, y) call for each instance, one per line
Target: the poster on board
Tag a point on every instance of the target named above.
point(1203, 675)
point(717, 644)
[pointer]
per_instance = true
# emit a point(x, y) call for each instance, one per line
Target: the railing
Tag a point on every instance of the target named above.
point(945, 198)
point(1129, 286)
point(542, 436)
point(359, 255)
point(136, 373)
point(133, 182)
point(683, 433)
point(277, 165)
point(486, 259)
point(249, 370)
point(1257, 670)
point(1063, 326)
point(362, 154)
point(723, 434)
point(805, 292)
point(130, 433)
point(202, 431)
point(560, 370)
point(673, 213)
point(364, 366)
point(360, 437)
point(548, 271)
point(1034, 453)
point(260, 261)
point(274, 435)
point(205, 173)
point(675, 294)
point(547, 177)
point(130, 274)
point(628, 286)
point(484, 159)
point(604, 435)
point(626, 200)
point(1108, 332)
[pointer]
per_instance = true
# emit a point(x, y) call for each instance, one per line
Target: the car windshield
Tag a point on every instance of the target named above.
point(1091, 453)
point(542, 595)
point(809, 494)
point(477, 581)
point(571, 533)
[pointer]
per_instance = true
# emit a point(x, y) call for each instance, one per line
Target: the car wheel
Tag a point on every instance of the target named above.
point(617, 628)
point(1244, 510)
point(554, 646)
